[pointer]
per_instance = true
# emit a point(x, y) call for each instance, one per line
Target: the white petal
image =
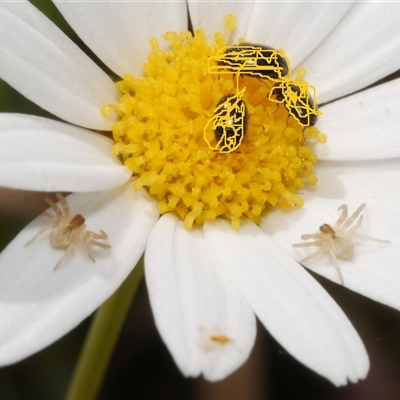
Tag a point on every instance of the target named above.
point(363, 181)
point(119, 31)
point(203, 319)
point(363, 48)
point(43, 64)
point(296, 27)
point(374, 270)
point(363, 126)
point(210, 15)
point(289, 302)
point(42, 154)
point(39, 305)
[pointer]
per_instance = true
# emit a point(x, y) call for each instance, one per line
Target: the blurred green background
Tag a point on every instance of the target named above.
point(142, 368)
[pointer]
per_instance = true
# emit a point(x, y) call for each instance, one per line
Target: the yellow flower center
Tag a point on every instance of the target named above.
point(161, 137)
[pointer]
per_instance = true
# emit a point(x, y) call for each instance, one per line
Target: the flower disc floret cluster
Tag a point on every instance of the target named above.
point(159, 137)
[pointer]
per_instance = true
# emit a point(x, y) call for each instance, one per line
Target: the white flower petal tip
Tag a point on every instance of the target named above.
point(204, 320)
point(358, 52)
point(39, 305)
point(45, 155)
point(363, 126)
point(289, 302)
point(44, 65)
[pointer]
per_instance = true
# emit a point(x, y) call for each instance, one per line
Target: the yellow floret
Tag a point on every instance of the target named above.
point(159, 137)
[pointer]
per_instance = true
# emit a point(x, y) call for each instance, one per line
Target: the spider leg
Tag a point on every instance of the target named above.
point(86, 251)
point(66, 254)
point(317, 243)
point(312, 236)
point(47, 214)
point(90, 238)
point(354, 228)
point(63, 203)
point(51, 204)
point(43, 230)
point(97, 243)
point(336, 265)
point(342, 218)
point(353, 217)
point(94, 235)
point(371, 238)
point(312, 255)
point(103, 234)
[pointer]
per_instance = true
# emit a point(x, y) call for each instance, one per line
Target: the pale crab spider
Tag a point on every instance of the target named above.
point(68, 231)
point(337, 241)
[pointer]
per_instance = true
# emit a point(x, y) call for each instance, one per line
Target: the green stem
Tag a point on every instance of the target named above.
point(102, 338)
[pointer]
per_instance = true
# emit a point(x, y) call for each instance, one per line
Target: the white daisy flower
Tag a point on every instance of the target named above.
point(206, 284)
